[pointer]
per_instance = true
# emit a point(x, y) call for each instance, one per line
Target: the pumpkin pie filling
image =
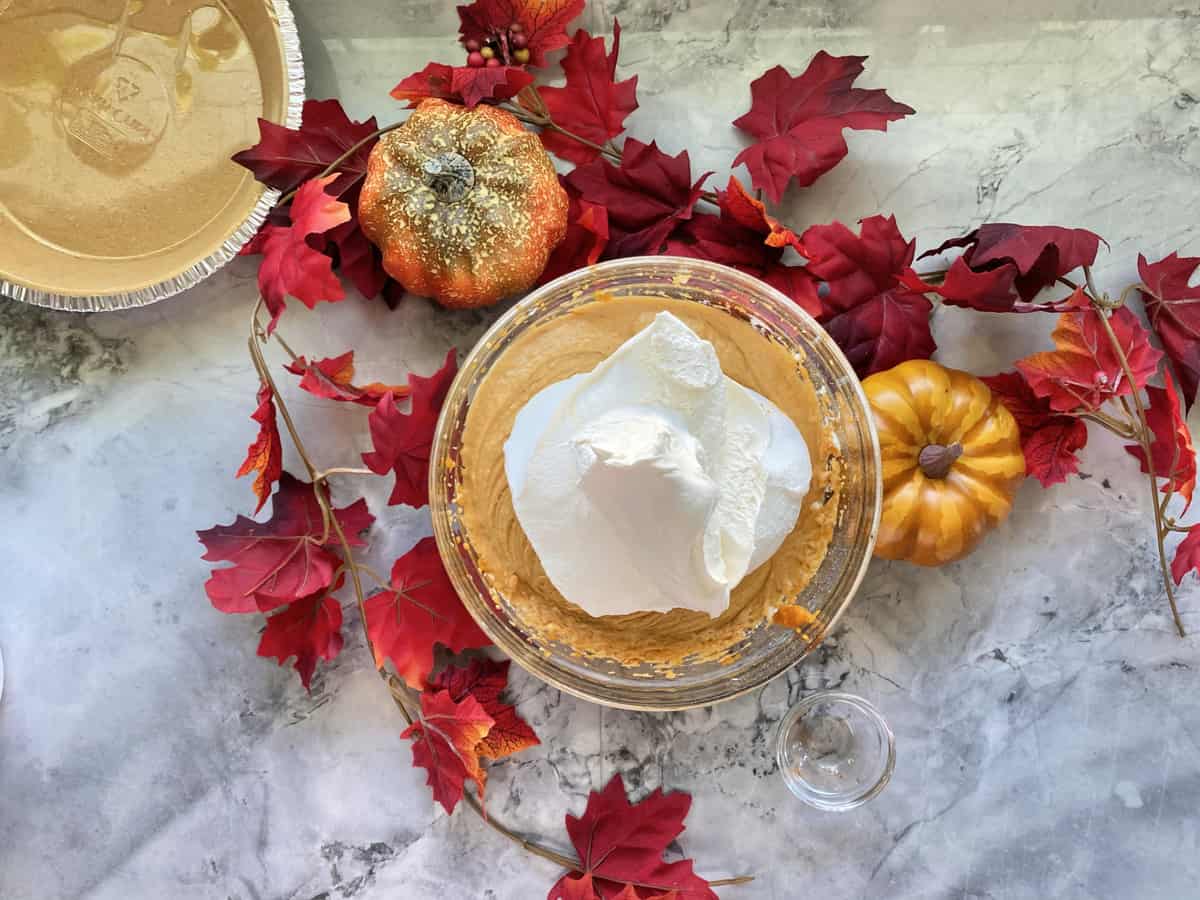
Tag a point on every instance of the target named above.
point(576, 342)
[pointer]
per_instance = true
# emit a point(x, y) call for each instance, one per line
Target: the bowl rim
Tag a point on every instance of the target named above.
point(439, 511)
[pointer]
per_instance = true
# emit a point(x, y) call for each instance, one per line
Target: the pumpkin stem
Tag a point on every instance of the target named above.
point(935, 460)
point(449, 176)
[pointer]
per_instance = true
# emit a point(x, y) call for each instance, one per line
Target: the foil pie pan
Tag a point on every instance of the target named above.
point(119, 118)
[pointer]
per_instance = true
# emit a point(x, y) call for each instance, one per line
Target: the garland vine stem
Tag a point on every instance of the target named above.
point(1104, 307)
point(401, 693)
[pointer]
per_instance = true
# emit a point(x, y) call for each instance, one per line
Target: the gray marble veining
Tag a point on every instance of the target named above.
point(1046, 716)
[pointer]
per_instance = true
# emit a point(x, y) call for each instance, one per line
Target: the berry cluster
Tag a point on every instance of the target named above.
point(510, 48)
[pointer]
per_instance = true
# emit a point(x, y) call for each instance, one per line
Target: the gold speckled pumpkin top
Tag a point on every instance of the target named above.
point(464, 203)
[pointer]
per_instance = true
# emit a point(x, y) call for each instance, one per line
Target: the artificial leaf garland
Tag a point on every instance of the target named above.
point(629, 198)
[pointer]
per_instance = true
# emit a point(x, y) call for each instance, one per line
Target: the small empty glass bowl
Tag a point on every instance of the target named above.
point(835, 751)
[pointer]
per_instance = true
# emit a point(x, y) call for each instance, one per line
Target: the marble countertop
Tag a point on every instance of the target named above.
point(1046, 715)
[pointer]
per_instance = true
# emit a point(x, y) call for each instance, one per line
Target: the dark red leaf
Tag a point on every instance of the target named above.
point(279, 561)
point(285, 158)
point(1083, 371)
point(333, 379)
point(883, 331)
point(290, 266)
point(646, 197)
point(795, 283)
point(866, 307)
point(705, 236)
point(544, 23)
point(359, 259)
point(1174, 311)
point(620, 842)
point(586, 238)
point(462, 84)
point(265, 455)
point(798, 121)
point(485, 680)
point(1171, 449)
point(1049, 440)
point(989, 290)
point(737, 205)
point(308, 629)
point(593, 104)
point(1028, 257)
point(421, 609)
point(856, 267)
point(444, 740)
point(403, 441)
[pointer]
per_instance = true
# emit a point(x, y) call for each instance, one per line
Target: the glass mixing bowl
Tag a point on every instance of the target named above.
point(765, 651)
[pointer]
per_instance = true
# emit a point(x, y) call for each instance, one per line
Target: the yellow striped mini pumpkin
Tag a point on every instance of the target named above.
point(952, 461)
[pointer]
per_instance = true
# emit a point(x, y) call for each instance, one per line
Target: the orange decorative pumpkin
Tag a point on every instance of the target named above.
point(464, 203)
point(952, 461)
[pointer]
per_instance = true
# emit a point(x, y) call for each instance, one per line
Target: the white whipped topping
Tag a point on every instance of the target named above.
point(654, 482)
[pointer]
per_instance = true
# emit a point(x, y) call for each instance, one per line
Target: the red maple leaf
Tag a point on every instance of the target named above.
point(593, 104)
point(462, 84)
point(646, 197)
point(403, 441)
point(798, 121)
point(285, 158)
point(619, 842)
point(444, 740)
point(883, 331)
point(795, 283)
point(265, 455)
point(1083, 371)
point(714, 238)
point(857, 267)
point(485, 680)
point(1174, 311)
point(1049, 440)
point(290, 266)
point(1171, 450)
point(357, 258)
point(308, 629)
point(875, 318)
point(283, 559)
point(582, 888)
point(1004, 266)
point(544, 23)
point(1187, 554)
point(333, 379)
point(739, 206)
point(586, 238)
point(421, 609)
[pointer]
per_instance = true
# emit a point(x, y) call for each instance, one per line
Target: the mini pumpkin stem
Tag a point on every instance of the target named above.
point(935, 460)
point(449, 176)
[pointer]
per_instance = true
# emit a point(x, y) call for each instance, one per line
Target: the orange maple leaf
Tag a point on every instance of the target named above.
point(265, 454)
point(444, 741)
